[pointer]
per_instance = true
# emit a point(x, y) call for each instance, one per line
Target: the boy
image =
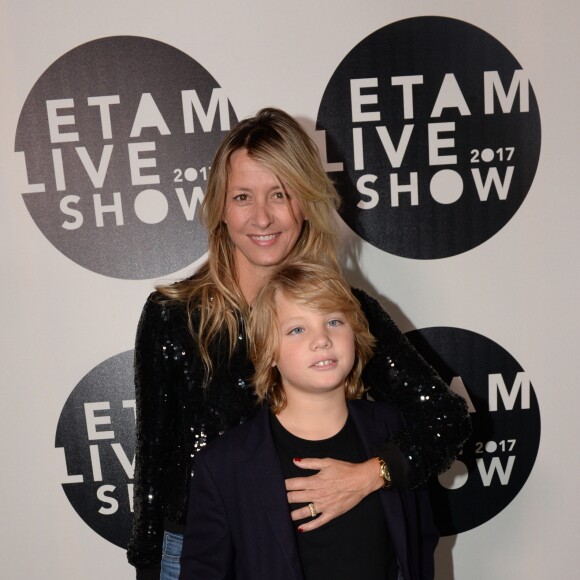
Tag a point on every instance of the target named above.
point(309, 343)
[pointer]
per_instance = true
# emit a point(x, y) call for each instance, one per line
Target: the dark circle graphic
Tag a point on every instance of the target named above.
point(499, 456)
point(96, 430)
point(438, 132)
point(118, 136)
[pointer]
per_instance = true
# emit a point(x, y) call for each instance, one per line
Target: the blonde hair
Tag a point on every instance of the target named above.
point(322, 289)
point(276, 141)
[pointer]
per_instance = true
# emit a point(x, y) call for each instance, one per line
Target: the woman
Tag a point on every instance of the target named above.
point(268, 200)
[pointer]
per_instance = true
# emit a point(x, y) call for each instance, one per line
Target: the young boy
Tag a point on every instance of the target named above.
point(309, 343)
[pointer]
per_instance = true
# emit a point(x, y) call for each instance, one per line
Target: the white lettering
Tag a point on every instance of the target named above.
point(116, 207)
point(492, 178)
point(493, 85)
point(55, 121)
point(92, 421)
point(130, 404)
point(497, 384)
point(450, 96)
point(74, 213)
point(495, 467)
point(58, 170)
point(436, 144)
point(96, 463)
point(412, 188)
point(364, 190)
point(97, 176)
point(395, 154)
point(148, 115)
point(357, 100)
point(407, 82)
point(128, 466)
point(190, 101)
point(189, 207)
point(110, 501)
point(104, 103)
point(137, 163)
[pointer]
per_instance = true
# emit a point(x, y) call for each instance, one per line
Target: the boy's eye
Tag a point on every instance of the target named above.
point(334, 322)
point(296, 330)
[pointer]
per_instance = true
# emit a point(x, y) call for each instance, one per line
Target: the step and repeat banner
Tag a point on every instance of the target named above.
point(450, 129)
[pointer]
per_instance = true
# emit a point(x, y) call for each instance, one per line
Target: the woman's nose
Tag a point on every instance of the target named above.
point(262, 217)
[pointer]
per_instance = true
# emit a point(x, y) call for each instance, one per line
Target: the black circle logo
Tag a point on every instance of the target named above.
point(96, 431)
point(500, 454)
point(432, 137)
point(118, 136)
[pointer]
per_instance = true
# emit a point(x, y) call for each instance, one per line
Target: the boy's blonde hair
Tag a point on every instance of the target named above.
point(322, 289)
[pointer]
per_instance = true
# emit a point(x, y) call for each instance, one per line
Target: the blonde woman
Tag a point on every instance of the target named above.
point(268, 201)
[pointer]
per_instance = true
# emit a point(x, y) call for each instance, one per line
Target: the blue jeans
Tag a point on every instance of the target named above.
point(172, 546)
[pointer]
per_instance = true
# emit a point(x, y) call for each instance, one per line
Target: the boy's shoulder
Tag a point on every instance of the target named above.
point(227, 446)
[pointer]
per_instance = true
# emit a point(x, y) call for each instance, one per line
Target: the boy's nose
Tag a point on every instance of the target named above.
point(322, 342)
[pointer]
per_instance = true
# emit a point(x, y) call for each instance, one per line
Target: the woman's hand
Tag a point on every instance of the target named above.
point(335, 489)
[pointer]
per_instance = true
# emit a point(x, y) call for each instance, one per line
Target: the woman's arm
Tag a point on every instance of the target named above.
point(154, 408)
point(438, 423)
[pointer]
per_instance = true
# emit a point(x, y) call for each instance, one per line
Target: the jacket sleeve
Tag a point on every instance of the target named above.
point(208, 550)
point(437, 420)
point(155, 402)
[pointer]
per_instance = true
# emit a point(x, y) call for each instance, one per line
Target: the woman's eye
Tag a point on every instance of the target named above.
point(334, 322)
point(241, 197)
point(279, 195)
point(297, 330)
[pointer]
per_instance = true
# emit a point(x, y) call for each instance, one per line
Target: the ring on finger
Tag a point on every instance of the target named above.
point(312, 509)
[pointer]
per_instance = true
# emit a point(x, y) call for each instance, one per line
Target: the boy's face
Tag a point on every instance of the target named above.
point(316, 350)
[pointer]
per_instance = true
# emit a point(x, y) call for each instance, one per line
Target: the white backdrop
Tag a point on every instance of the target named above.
point(60, 320)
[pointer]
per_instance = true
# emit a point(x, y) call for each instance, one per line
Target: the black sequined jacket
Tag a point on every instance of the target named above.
point(176, 415)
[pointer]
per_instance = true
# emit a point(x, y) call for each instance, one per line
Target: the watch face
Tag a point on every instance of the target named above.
point(385, 473)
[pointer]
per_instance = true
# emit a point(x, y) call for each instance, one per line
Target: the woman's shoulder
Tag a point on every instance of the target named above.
point(162, 312)
point(372, 309)
point(227, 451)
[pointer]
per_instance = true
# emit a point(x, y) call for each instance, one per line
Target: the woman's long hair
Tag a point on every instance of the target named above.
point(276, 141)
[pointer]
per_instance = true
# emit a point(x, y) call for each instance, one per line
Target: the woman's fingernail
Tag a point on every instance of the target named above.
point(298, 459)
point(300, 530)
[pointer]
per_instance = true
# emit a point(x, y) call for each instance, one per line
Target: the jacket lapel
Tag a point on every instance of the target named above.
point(264, 471)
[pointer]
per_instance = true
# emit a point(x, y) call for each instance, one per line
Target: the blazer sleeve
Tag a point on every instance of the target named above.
point(437, 419)
point(208, 550)
point(155, 403)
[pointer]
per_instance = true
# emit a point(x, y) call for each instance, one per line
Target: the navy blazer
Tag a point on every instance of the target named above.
point(239, 525)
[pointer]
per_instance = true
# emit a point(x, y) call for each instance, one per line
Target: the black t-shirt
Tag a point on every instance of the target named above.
point(353, 546)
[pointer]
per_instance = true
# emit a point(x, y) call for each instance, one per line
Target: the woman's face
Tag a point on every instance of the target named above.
point(264, 219)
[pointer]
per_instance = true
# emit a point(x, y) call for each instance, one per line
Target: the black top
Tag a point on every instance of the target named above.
point(179, 411)
point(354, 545)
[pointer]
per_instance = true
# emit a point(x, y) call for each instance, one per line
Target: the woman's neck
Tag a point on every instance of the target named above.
point(251, 283)
point(315, 418)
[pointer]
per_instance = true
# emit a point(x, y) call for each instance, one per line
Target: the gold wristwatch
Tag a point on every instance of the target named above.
point(384, 473)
